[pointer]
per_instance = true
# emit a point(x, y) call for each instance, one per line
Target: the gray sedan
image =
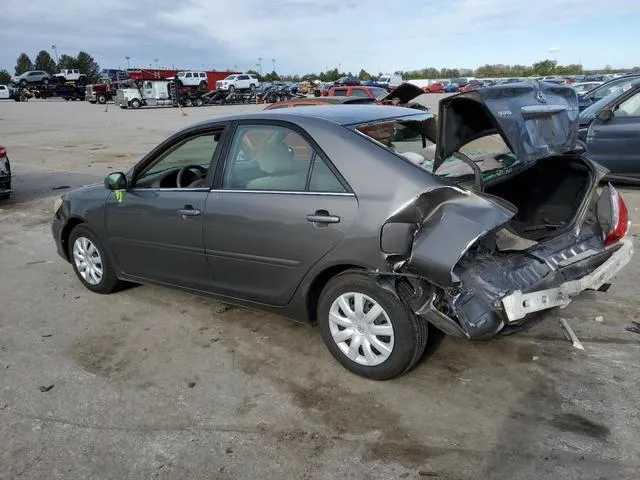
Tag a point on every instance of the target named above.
point(367, 220)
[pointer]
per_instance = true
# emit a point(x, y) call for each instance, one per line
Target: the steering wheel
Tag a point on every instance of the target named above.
point(202, 172)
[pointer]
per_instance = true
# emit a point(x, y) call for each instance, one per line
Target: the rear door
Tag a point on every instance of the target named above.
point(278, 208)
point(616, 143)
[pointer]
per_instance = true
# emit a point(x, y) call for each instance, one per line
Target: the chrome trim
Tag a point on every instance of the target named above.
point(517, 305)
point(290, 192)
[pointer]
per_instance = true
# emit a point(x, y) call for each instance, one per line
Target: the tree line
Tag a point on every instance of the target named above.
point(82, 61)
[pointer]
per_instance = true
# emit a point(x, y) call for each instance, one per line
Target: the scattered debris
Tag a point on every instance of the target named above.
point(46, 388)
point(191, 384)
point(229, 450)
point(535, 358)
point(47, 335)
point(634, 327)
point(570, 335)
point(36, 262)
point(61, 187)
point(214, 339)
point(425, 473)
point(599, 318)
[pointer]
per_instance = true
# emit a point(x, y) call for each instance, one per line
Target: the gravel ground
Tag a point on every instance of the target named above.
point(152, 383)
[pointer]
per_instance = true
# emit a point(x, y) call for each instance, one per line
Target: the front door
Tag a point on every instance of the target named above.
point(155, 230)
point(278, 209)
point(616, 143)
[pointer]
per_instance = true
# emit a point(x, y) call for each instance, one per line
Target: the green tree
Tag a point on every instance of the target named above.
point(255, 72)
point(23, 64)
point(5, 77)
point(364, 75)
point(83, 62)
point(545, 67)
point(45, 62)
point(272, 77)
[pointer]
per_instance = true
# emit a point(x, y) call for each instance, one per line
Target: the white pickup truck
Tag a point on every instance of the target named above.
point(70, 75)
point(5, 93)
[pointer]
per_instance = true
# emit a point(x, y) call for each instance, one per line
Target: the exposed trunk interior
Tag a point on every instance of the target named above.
point(547, 195)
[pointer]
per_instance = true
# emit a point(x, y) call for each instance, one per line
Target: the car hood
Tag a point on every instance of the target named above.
point(535, 119)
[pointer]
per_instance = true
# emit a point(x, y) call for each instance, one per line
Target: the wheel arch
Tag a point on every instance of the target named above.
point(320, 281)
point(72, 223)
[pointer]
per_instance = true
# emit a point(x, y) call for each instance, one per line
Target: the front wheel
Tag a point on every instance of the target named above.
point(135, 104)
point(102, 99)
point(252, 87)
point(232, 88)
point(368, 329)
point(90, 262)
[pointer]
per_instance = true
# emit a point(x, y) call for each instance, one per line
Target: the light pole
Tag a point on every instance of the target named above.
point(273, 61)
point(156, 62)
point(260, 65)
point(128, 58)
point(55, 51)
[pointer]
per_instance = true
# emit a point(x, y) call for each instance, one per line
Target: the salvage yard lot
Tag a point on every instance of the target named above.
point(152, 383)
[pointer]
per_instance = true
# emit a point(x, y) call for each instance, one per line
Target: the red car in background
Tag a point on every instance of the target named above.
point(376, 93)
point(437, 87)
point(471, 86)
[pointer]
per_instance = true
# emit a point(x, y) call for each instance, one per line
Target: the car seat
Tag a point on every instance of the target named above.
point(276, 160)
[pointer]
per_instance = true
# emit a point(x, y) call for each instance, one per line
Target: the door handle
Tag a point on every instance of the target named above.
point(188, 211)
point(322, 216)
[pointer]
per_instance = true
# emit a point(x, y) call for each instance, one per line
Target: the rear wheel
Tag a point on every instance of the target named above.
point(90, 262)
point(368, 329)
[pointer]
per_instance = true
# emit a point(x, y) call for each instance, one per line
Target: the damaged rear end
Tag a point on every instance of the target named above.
point(529, 233)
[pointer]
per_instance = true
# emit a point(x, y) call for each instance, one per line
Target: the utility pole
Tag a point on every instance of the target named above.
point(273, 61)
point(156, 62)
point(260, 65)
point(128, 58)
point(55, 51)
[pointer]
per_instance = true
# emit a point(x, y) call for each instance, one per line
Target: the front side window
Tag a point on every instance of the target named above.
point(184, 165)
point(276, 158)
point(630, 107)
point(339, 92)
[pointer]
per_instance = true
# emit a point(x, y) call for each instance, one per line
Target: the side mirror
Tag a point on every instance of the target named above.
point(605, 115)
point(116, 181)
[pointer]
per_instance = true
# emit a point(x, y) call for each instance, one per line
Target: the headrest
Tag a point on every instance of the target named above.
point(274, 158)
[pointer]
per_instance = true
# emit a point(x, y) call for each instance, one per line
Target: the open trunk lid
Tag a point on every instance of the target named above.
point(535, 119)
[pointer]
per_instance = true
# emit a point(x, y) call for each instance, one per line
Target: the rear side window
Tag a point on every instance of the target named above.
point(356, 92)
point(276, 158)
point(339, 92)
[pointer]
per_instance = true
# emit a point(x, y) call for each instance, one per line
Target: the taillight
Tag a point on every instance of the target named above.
point(3, 151)
point(619, 218)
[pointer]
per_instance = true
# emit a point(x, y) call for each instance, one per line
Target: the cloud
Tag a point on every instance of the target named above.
point(304, 35)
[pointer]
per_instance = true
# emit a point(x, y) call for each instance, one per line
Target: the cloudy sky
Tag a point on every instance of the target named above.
point(311, 35)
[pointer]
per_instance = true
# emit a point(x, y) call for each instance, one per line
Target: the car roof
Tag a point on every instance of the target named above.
point(339, 114)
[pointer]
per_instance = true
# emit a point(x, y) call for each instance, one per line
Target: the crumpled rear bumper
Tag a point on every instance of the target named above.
point(517, 305)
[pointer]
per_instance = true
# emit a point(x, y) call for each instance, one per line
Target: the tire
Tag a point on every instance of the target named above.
point(252, 87)
point(66, 99)
point(203, 85)
point(79, 255)
point(408, 332)
point(198, 102)
point(102, 99)
point(135, 104)
point(232, 88)
point(45, 81)
point(23, 83)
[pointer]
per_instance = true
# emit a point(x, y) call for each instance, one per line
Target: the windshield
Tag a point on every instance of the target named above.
point(592, 110)
point(230, 77)
point(379, 93)
point(413, 138)
point(614, 86)
point(384, 78)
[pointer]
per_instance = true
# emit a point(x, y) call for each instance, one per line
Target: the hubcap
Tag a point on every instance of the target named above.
point(87, 260)
point(361, 328)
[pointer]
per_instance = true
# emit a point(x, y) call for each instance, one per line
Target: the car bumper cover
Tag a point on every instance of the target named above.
point(517, 305)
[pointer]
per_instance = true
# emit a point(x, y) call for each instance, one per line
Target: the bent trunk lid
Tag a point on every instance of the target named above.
point(535, 119)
